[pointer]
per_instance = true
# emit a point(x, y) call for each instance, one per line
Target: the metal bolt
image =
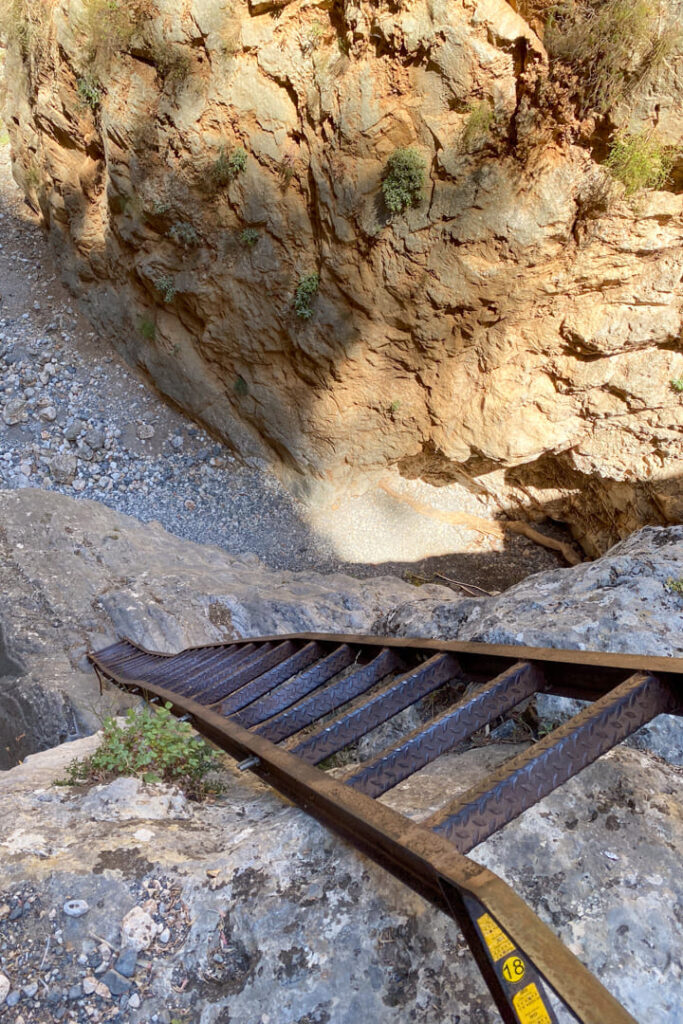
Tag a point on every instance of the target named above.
point(251, 762)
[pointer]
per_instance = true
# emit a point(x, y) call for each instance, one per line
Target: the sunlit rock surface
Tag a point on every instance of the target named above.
point(513, 327)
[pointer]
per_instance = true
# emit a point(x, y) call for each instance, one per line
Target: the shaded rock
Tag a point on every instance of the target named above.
point(14, 411)
point(63, 468)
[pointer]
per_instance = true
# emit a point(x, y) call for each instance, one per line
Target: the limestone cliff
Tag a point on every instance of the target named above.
point(518, 327)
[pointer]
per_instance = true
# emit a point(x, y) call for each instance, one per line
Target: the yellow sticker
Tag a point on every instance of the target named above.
point(530, 1007)
point(513, 969)
point(497, 941)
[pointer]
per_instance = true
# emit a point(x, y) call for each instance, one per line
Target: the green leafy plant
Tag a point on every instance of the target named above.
point(147, 328)
point(241, 387)
point(612, 47)
point(639, 160)
point(478, 125)
point(305, 293)
point(395, 406)
point(226, 167)
point(166, 285)
point(403, 179)
point(249, 236)
point(89, 91)
point(152, 745)
point(674, 586)
point(676, 385)
point(184, 234)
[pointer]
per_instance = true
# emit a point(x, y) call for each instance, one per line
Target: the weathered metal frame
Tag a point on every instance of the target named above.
point(422, 858)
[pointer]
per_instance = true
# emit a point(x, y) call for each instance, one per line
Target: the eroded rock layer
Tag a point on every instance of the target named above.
point(519, 326)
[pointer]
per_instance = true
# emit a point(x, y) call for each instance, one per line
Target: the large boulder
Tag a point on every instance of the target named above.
point(250, 911)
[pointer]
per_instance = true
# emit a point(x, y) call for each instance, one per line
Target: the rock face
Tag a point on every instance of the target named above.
point(75, 574)
point(250, 911)
point(511, 327)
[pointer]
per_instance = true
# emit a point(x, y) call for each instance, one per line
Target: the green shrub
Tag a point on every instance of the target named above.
point(184, 234)
point(172, 62)
point(478, 124)
point(89, 91)
point(395, 406)
point(676, 384)
point(241, 387)
point(305, 293)
point(226, 168)
point(674, 586)
point(147, 328)
point(639, 160)
point(403, 179)
point(166, 285)
point(612, 45)
point(154, 746)
point(249, 236)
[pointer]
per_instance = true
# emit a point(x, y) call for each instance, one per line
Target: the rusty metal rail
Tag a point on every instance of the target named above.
point(282, 705)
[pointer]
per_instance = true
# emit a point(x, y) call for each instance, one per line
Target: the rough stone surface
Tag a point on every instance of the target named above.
point(272, 917)
point(512, 327)
point(74, 575)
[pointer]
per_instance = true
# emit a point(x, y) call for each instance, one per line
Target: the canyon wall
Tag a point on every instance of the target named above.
point(516, 329)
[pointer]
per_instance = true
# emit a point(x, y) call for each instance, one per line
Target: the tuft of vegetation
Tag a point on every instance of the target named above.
point(674, 586)
point(172, 62)
point(305, 293)
point(286, 171)
point(478, 125)
point(154, 746)
point(166, 285)
point(226, 167)
point(25, 25)
point(110, 26)
point(613, 46)
point(395, 406)
point(314, 37)
point(184, 234)
point(639, 160)
point(403, 181)
point(241, 387)
point(147, 328)
point(249, 236)
point(89, 92)
point(676, 385)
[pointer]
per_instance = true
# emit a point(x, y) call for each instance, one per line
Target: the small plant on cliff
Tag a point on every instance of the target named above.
point(612, 46)
point(89, 92)
point(639, 160)
point(172, 62)
point(403, 180)
point(147, 328)
point(676, 385)
point(154, 746)
point(674, 586)
point(226, 168)
point(109, 27)
point(305, 293)
point(478, 125)
point(184, 234)
point(166, 285)
point(394, 407)
point(249, 236)
point(241, 387)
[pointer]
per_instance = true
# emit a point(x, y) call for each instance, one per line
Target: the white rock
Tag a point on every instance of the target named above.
point(145, 431)
point(138, 929)
point(4, 988)
point(128, 799)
